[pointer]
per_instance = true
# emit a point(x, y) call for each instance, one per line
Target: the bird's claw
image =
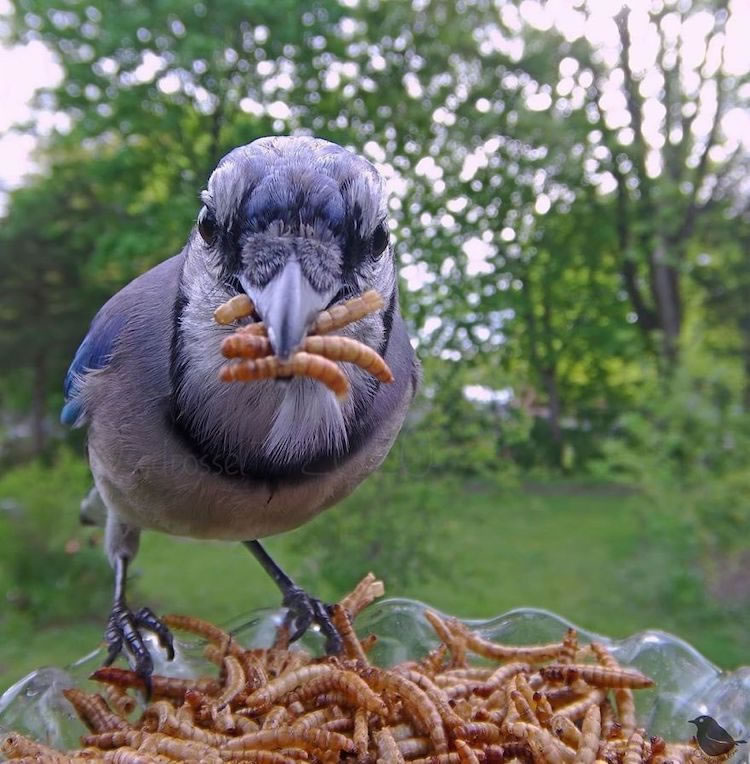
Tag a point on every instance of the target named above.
point(123, 630)
point(146, 619)
point(305, 610)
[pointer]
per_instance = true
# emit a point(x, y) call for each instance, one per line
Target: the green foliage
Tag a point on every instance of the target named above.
point(687, 448)
point(601, 556)
point(386, 526)
point(39, 578)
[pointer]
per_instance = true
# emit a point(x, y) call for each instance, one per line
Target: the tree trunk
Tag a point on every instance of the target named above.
point(745, 329)
point(666, 292)
point(549, 380)
point(38, 405)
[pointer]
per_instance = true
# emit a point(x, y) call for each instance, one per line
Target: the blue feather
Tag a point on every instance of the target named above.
point(93, 353)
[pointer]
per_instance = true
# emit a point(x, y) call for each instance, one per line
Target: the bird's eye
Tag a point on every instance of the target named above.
point(207, 226)
point(380, 240)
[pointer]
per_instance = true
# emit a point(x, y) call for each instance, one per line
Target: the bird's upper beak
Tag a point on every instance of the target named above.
point(288, 305)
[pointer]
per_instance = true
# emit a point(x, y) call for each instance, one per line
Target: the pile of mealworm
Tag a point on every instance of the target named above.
point(251, 349)
point(554, 704)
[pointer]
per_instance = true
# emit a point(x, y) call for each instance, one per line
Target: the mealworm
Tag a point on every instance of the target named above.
point(634, 750)
point(610, 725)
point(94, 711)
point(434, 662)
point(224, 720)
point(349, 350)
point(201, 628)
point(529, 653)
point(565, 730)
point(15, 745)
point(543, 708)
point(239, 306)
point(245, 345)
point(347, 312)
point(267, 757)
point(59, 758)
point(478, 732)
point(604, 656)
point(569, 648)
point(275, 718)
point(350, 643)
point(277, 688)
point(465, 754)
point(114, 739)
point(299, 365)
point(363, 594)
point(543, 742)
point(626, 710)
point(473, 672)
point(422, 708)
point(256, 329)
point(521, 684)
point(287, 737)
point(176, 748)
point(255, 675)
point(436, 695)
point(162, 686)
point(456, 643)
point(598, 676)
point(403, 730)
point(497, 718)
point(565, 694)
point(388, 750)
point(342, 724)
point(465, 689)
point(129, 755)
point(342, 349)
point(525, 711)
point(118, 697)
point(354, 691)
point(414, 746)
point(361, 736)
point(591, 731)
point(168, 723)
point(234, 683)
point(578, 708)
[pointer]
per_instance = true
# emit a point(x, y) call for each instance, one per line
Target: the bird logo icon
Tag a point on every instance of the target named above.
point(712, 738)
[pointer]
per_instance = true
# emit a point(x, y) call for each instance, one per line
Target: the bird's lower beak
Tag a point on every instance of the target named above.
point(288, 305)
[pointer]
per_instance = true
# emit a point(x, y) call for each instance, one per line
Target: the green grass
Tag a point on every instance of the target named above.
point(601, 558)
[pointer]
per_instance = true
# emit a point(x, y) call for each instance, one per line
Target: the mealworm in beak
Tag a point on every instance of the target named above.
point(299, 365)
point(239, 306)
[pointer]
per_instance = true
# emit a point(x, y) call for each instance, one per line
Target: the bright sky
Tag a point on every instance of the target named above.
point(26, 68)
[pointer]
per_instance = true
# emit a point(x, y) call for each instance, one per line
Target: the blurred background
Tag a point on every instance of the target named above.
point(571, 212)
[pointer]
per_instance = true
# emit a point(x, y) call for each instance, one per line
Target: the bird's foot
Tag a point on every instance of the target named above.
point(123, 631)
point(305, 610)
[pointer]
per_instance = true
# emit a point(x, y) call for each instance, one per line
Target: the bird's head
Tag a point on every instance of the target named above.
point(700, 721)
point(297, 224)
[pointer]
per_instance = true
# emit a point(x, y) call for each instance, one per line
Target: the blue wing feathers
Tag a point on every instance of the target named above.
point(94, 353)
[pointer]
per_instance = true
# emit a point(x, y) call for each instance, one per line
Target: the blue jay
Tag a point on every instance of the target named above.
point(298, 224)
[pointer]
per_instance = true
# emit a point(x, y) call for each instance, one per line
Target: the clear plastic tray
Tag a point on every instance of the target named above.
point(686, 683)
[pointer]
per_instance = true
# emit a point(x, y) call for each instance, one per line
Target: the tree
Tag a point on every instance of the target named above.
point(545, 228)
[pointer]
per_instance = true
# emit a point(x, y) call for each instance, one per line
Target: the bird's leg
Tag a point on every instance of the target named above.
point(303, 609)
point(123, 629)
